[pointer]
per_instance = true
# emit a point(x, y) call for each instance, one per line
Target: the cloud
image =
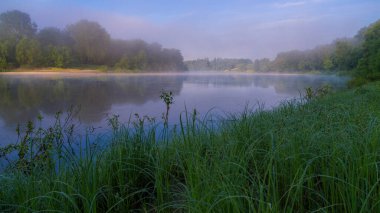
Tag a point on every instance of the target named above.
point(286, 23)
point(289, 4)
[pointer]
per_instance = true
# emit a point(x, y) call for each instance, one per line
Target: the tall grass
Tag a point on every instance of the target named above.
point(317, 156)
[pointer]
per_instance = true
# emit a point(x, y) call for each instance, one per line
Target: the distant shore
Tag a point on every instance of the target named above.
point(89, 71)
point(52, 70)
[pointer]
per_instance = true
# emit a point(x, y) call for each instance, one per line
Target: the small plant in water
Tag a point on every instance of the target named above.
point(317, 93)
point(113, 122)
point(167, 97)
point(309, 93)
point(37, 147)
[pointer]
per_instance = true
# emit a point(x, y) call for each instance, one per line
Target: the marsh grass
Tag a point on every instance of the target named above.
point(315, 155)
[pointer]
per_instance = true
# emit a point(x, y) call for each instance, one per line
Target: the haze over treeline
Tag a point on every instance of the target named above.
point(81, 44)
point(359, 55)
point(215, 29)
point(86, 44)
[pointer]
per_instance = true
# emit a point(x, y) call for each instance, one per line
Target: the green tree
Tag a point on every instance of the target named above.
point(369, 64)
point(262, 65)
point(123, 63)
point(60, 56)
point(54, 36)
point(28, 52)
point(16, 25)
point(345, 55)
point(91, 41)
point(327, 63)
point(140, 61)
point(3, 55)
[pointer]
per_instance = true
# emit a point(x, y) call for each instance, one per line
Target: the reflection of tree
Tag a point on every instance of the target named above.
point(286, 84)
point(22, 98)
point(221, 80)
point(294, 84)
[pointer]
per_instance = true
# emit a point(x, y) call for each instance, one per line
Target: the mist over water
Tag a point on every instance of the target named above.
point(25, 96)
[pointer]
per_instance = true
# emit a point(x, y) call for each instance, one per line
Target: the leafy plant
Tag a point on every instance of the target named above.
point(322, 91)
point(167, 98)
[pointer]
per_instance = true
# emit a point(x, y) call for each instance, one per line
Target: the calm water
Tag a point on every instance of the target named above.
point(25, 96)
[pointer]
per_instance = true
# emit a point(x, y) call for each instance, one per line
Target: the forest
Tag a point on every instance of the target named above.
point(220, 64)
point(358, 56)
point(84, 44)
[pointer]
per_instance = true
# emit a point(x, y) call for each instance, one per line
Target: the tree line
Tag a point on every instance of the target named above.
point(82, 44)
point(359, 55)
point(220, 64)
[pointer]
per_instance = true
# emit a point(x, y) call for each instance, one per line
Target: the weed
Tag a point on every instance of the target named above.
point(167, 98)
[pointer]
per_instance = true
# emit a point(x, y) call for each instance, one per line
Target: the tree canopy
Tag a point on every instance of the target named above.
point(369, 63)
point(91, 41)
point(82, 44)
point(16, 25)
point(359, 55)
point(220, 64)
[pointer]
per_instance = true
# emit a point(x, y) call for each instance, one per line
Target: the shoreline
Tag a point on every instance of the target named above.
point(91, 72)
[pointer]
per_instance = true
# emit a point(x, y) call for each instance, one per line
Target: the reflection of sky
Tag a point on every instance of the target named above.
point(215, 98)
point(214, 28)
point(126, 95)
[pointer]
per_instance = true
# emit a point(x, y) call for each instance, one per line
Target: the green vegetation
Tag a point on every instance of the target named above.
point(358, 56)
point(220, 64)
point(80, 45)
point(342, 55)
point(319, 154)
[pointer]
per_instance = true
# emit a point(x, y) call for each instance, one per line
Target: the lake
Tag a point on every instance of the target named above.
point(24, 96)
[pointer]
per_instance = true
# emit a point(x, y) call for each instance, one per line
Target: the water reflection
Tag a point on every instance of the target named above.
point(285, 84)
point(24, 96)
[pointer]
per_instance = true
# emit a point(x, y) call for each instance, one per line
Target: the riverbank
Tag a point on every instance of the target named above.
point(321, 155)
point(105, 70)
point(93, 72)
point(52, 70)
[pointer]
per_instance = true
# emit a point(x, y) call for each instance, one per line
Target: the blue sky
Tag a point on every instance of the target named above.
point(213, 28)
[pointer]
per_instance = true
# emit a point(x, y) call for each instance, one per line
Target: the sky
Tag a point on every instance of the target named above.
point(212, 28)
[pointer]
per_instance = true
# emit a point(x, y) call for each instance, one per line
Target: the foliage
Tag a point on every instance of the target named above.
point(320, 92)
point(57, 56)
point(341, 55)
point(16, 25)
point(40, 149)
point(91, 41)
point(167, 98)
point(220, 64)
point(263, 65)
point(28, 52)
point(3, 55)
point(369, 64)
point(83, 44)
point(52, 36)
point(358, 56)
point(138, 55)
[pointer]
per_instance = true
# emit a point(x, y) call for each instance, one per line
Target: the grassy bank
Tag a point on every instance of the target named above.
point(322, 155)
